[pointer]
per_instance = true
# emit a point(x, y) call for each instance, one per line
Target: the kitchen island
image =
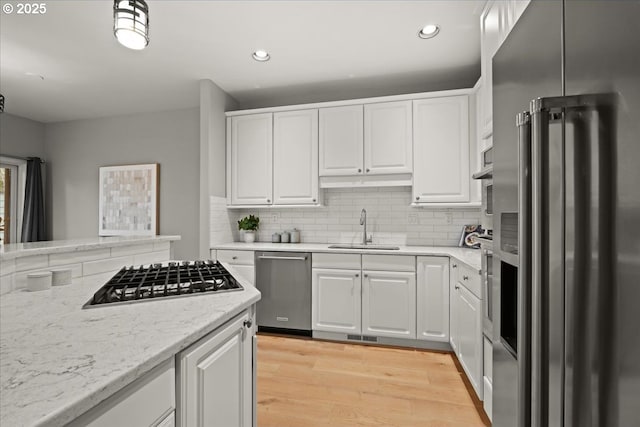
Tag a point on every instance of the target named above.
point(84, 257)
point(58, 360)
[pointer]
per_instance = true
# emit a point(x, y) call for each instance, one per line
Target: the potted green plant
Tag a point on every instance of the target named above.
point(248, 226)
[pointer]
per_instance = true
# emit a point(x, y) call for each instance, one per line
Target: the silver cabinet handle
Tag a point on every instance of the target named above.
point(457, 287)
point(366, 275)
point(234, 257)
point(247, 323)
point(417, 197)
point(454, 266)
point(288, 258)
point(357, 275)
point(268, 200)
point(367, 170)
point(359, 170)
point(465, 277)
point(314, 200)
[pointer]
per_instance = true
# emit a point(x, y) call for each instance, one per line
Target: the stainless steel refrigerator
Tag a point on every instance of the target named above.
point(566, 120)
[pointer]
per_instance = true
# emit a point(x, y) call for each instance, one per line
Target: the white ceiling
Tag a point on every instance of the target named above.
point(320, 50)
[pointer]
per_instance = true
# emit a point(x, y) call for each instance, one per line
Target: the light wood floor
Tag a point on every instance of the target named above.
point(308, 383)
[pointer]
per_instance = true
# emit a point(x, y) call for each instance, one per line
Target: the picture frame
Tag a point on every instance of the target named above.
point(128, 200)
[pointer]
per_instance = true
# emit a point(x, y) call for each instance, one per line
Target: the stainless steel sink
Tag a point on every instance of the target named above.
point(378, 247)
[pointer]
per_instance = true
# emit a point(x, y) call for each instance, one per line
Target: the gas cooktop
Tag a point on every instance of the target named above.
point(174, 279)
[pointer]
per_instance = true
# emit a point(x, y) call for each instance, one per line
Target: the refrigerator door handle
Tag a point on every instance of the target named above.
point(539, 374)
point(523, 122)
point(585, 287)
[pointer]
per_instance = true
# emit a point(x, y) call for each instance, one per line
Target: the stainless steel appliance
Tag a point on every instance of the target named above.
point(174, 279)
point(284, 279)
point(566, 120)
point(486, 175)
point(487, 287)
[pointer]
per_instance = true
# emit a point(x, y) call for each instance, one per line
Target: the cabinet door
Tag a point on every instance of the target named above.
point(470, 336)
point(493, 29)
point(216, 378)
point(432, 298)
point(441, 150)
point(388, 139)
point(336, 301)
point(246, 272)
point(389, 304)
point(341, 142)
point(295, 157)
point(251, 159)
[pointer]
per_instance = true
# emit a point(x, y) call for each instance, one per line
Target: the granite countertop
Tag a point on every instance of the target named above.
point(58, 360)
point(16, 250)
point(470, 257)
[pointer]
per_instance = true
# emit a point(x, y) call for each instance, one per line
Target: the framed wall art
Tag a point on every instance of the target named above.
point(128, 204)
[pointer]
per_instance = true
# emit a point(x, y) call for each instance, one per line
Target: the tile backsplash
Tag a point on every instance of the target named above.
point(390, 219)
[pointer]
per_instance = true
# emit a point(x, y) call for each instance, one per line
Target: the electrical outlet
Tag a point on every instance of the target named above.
point(412, 218)
point(275, 217)
point(449, 217)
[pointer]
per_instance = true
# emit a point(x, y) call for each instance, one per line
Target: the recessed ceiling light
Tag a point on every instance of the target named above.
point(428, 31)
point(261, 55)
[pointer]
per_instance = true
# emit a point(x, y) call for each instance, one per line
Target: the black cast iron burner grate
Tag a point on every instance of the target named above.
point(176, 279)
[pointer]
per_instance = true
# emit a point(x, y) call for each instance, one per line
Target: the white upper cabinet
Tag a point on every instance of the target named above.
point(432, 296)
point(441, 150)
point(388, 140)
point(341, 148)
point(250, 150)
point(496, 21)
point(295, 157)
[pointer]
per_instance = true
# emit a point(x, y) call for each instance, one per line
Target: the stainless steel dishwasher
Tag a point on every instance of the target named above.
point(284, 279)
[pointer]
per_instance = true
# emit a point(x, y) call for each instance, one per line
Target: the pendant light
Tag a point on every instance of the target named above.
point(131, 23)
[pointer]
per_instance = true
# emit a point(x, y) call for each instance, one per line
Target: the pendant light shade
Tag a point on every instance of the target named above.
point(131, 23)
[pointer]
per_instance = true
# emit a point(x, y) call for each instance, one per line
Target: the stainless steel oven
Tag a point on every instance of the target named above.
point(486, 175)
point(487, 197)
point(487, 291)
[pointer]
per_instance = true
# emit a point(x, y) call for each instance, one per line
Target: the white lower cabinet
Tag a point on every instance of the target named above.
point(146, 402)
point(215, 378)
point(488, 378)
point(432, 298)
point(242, 262)
point(388, 304)
point(466, 333)
point(336, 300)
point(169, 421)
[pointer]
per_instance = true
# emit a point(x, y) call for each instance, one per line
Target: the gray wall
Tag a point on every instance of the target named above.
point(76, 149)
point(21, 137)
point(213, 103)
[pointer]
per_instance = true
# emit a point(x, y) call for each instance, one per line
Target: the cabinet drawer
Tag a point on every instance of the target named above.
point(142, 403)
point(236, 257)
point(343, 261)
point(389, 263)
point(470, 279)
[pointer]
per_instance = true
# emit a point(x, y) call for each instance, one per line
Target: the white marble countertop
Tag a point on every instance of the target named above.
point(58, 360)
point(16, 250)
point(470, 257)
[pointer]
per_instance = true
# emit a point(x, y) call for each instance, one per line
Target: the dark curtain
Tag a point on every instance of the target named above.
point(33, 215)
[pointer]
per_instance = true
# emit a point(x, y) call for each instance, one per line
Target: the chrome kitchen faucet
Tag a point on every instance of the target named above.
point(363, 221)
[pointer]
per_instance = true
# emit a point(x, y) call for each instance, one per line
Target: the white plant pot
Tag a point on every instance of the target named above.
point(249, 236)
